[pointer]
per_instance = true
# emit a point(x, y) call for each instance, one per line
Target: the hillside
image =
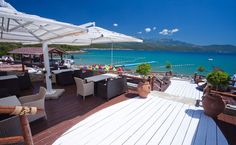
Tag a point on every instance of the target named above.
point(148, 44)
point(174, 45)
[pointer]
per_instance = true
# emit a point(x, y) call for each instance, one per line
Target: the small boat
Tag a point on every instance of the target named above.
point(210, 59)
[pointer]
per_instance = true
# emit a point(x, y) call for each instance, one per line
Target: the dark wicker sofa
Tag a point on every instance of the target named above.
point(24, 81)
point(83, 74)
point(65, 78)
point(9, 87)
point(112, 88)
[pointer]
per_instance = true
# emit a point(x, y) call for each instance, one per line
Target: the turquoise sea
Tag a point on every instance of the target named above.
point(183, 62)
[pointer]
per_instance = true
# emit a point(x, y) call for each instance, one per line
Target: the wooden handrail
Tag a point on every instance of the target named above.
point(11, 140)
point(150, 80)
point(19, 110)
point(224, 93)
point(22, 111)
point(135, 77)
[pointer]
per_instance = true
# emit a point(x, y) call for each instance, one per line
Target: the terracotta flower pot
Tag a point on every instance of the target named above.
point(144, 89)
point(213, 105)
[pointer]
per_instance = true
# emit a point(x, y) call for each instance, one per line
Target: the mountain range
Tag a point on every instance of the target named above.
point(148, 44)
point(175, 45)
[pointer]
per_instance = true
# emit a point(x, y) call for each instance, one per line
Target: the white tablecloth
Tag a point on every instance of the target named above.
point(62, 70)
point(101, 77)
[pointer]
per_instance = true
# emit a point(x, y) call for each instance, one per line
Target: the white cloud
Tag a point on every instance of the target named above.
point(164, 32)
point(174, 30)
point(140, 32)
point(154, 28)
point(148, 30)
point(115, 25)
point(168, 32)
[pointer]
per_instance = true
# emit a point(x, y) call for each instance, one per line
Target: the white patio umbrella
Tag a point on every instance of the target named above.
point(31, 29)
point(98, 35)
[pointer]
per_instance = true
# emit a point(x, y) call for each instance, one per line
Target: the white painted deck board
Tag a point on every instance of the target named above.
point(144, 128)
point(145, 121)
point(152, 130)
point(159, 134)
point(174, 127)
point(211, 133)
point(129, 129)
point(201, 131)
point(192, 128)
point(184, 89)
point(117, 125)
point(184, 126)
point(114, 119)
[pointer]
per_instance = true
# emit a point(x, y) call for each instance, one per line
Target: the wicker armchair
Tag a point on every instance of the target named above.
point(84, 89)
point(37, 100)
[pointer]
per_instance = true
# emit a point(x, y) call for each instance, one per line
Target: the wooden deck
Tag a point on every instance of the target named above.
point(66, 111)
point(185, 89)
point(70, 110)
point(146, 121)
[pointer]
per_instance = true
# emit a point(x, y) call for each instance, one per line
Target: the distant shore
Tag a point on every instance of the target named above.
point(75, 51)
point(106, 49)
point(86, 49)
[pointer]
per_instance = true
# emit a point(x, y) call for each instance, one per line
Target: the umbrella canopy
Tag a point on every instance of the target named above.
point(26, 28)
point(32, 29)
point(96, 35)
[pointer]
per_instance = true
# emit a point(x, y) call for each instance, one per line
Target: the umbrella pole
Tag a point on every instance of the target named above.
point(47, 68)
point(111, 53)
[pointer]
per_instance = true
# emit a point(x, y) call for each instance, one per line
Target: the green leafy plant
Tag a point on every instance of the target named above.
point(218, 79)
point(168, 66)
point(201, 69)
point(143, 69)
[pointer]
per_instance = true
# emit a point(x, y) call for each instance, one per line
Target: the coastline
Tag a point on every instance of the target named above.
point(107, 49)
point(87, 49)
point(75, 51)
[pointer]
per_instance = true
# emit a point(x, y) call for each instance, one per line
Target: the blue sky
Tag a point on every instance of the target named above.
point(194, 21)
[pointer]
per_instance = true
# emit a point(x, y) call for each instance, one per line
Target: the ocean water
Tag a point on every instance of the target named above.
point(183, 62)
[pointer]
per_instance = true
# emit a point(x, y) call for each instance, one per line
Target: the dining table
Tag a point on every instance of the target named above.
point(98, 78)
point(101, 77)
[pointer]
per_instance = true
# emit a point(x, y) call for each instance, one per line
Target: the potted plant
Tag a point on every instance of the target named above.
point(201, 69)
point(212, 103)
point(144, 69)
point(219, 80)
point(144, 87)
point(169, 67)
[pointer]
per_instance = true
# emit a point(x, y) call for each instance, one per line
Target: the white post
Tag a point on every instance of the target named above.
point(47, 68)
point(112, 53)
